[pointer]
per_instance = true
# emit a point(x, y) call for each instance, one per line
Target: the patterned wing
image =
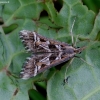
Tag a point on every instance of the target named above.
point(40, 62)
point(47, 53)
point(36, 43)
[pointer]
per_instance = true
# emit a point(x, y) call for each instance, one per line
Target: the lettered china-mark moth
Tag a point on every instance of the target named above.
point(46, 53)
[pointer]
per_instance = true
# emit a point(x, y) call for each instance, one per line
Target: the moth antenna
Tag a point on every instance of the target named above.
point(66, 80)
point(83, 60)
point(68, 67)
point(71, 32)
point(70, 64)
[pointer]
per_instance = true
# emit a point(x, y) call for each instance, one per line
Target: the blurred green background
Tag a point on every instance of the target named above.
point(92, 4)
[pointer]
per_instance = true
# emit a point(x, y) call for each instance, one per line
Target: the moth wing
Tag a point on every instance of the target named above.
point(36, 43)
point(40, 62)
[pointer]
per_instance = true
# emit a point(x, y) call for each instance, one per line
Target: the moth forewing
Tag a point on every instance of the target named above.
point(47, 53)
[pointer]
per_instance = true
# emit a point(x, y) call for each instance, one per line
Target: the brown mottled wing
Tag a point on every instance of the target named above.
point(40, 62)
point(47, 53)
point(34, 42)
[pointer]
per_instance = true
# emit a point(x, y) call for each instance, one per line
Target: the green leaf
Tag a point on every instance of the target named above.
point(44, 18)
point(36, 96)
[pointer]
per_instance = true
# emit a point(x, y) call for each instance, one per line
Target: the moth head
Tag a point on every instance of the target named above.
point(79, 50)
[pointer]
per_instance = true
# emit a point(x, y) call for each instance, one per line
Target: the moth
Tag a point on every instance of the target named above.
point(45, 53)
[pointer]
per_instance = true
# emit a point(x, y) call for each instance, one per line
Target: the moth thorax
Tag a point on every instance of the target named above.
point(69, 50)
